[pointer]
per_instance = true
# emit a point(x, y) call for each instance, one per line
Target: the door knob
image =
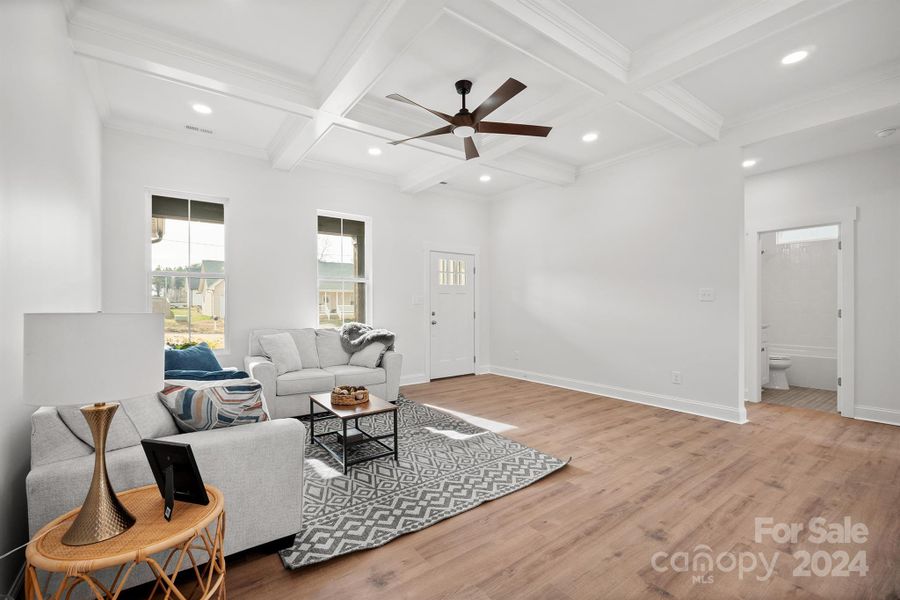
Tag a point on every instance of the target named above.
point(434, 322)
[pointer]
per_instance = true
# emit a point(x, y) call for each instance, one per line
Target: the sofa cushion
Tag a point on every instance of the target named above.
point(304, 338)
point(304, 381)
point(282, 351)
point(150, 418)
point(351, 375)
point(369, 357)
point(122, 432)
point(199, 357)
point(331, 352)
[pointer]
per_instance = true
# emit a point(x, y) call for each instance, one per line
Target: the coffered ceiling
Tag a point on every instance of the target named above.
point(304, 82)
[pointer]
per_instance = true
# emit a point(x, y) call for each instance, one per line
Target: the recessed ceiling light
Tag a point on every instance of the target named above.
point(748, 163)
point(590, 136)
point(484, 178)
point(795, 57)
point(883, 133)
point(375, 151)
point(202, 109)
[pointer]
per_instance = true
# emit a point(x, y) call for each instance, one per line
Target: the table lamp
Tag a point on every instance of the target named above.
point(93, 359)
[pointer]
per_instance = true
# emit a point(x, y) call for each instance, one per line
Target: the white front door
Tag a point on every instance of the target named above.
point(452, 314)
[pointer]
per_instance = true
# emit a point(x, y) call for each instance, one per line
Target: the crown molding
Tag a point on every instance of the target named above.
point(200, 140)
point(680, 102)
point(627, 156)
point(569, 29)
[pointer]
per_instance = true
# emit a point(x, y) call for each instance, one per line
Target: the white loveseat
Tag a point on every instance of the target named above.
point(325, 365)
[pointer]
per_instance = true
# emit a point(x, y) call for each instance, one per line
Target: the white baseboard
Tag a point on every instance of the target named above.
point(482, 369)
point(889, 416)
point(694, 407)
point(413, 379)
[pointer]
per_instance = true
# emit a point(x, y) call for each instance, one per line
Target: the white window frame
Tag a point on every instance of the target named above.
point(151, 273)
point(369, 317)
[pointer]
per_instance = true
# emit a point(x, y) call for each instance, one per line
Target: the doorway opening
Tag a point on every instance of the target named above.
point(800, 313)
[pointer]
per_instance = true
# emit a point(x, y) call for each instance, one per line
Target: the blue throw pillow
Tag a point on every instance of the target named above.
point(195, 358)
point(194, 375)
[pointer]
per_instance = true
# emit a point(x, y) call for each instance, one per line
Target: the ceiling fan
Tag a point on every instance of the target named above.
point(464, 124)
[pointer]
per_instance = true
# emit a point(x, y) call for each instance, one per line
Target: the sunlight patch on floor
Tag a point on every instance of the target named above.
point(494, 426)
point(323, 470)
point(454, 435)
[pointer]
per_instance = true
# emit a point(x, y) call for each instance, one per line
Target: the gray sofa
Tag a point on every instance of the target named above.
point(258, 467)
point(325, 365)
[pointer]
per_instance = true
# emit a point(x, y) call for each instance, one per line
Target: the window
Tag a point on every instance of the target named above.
point(451, 271)
point(343, 270)
point(188, 281)
point(807, 234)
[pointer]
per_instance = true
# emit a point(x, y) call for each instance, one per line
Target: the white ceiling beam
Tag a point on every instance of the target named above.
point(390, 32)
point(560, 23)
point(105, 38)
point(720, 34)
point(559, 49)
point(870, 91)
point(539, 168)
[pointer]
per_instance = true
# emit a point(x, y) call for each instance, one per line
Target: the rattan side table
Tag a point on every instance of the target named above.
point(192, 528)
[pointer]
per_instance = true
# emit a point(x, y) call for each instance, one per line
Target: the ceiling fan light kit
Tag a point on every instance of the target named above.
point(465, 124)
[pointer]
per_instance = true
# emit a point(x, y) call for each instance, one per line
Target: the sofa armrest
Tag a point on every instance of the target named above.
point(263, 370)
point(259, 469)
point(52, 440)
point(392, 362)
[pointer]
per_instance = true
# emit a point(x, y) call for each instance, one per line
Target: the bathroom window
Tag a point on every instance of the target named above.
point(808, 234)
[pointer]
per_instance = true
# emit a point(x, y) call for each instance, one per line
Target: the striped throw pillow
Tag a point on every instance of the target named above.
point(204, 405)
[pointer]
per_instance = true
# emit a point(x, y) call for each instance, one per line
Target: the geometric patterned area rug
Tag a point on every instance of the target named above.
point(446, 466)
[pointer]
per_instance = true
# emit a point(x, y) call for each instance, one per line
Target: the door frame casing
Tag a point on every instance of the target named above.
point(846, 337)
point(426, 311)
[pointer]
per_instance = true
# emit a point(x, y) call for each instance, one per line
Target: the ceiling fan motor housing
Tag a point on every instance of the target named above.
point(463, 86)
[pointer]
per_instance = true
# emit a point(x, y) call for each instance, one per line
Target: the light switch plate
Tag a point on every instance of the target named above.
point(418, 300)
point(707, 295)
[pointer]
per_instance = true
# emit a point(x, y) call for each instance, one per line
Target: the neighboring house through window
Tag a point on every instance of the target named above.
point(343, 269)
point(188, 278)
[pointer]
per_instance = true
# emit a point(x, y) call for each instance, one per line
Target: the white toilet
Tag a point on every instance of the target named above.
point(778, 366)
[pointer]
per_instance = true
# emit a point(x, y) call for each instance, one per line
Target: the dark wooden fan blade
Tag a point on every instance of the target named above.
point(438, 131)
point(513, 128)
point(498, 99)
point(436, 113)
point(471, 150)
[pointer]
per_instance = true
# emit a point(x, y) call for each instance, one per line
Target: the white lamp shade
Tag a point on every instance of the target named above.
point(86, 358)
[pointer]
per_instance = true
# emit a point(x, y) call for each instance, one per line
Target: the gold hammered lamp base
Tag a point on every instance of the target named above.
point(102, 516)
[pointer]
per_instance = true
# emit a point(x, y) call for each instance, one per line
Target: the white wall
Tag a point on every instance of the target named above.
point(596, 285)
point(271, 238)
point(799, 289)
point(870, 181)
point(49, 217)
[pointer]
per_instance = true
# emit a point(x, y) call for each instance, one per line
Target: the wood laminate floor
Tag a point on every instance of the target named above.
point(642, 480)
point(801, 397)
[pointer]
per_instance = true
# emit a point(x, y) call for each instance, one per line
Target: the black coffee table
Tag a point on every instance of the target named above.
point(354, 436)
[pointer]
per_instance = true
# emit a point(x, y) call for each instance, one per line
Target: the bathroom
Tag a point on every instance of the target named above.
point(799, 294)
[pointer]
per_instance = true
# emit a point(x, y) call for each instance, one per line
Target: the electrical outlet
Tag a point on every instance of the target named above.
point(676, 377)
point(707, 295)
point(516, 355)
